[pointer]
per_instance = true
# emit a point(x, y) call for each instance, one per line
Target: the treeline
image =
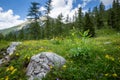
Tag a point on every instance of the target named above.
point(97, 18)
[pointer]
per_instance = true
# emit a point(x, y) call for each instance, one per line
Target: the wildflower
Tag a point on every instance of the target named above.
point(112, 58)
point(6, 78)
point(42, 48)
point(64, 66)
point(107, 74)
point(17, 54)
point(107, 56)
point(114, 75)
point(28, 57)
point(13, 71)
point(51, 66)
point(7, 69)
point(11, 68)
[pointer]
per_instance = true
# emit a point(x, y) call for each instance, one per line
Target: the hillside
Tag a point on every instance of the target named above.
point(87, 58)
point(14, 28)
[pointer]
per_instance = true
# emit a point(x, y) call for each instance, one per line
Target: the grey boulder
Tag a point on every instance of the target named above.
point(40, 64)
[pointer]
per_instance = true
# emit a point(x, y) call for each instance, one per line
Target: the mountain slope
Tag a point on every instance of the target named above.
point(15, 28)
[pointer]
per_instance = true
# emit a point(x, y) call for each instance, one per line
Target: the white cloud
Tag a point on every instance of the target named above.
point(107, 2)
point(8, 19)
point(42, 8)
point(65, 7)
point(85, 2)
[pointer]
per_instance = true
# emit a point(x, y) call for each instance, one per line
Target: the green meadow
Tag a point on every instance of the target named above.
point(96, 58)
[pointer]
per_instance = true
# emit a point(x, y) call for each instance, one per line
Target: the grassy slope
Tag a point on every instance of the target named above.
point(93, 58)
point(6, 31)
point(4, 44)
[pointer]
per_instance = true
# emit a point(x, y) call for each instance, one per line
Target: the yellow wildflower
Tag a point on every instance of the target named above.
point(42, 48)
point(107, 74)
point(28, 57)
point(114, 75)
point(7, 69)
point(13, 71)
point(112, 58)
point(107, 56)
point(11, 68)
point(17, 54)
point(64, 66)
point(51, 66)
point(6, 78)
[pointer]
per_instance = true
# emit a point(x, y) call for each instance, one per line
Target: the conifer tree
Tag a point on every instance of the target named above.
point(21, 34)
point(79, 19)
point(115, 13)
point(47, 30)
point(34, 14)
point(100, 16)
point(95, 15)
point(1, 36)
point(59, 24)
point(89, 25)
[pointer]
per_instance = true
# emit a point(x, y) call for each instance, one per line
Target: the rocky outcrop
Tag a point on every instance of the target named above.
point(10, 50)
point(41, 63)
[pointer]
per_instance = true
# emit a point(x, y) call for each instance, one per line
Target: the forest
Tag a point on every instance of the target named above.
point(92, 20)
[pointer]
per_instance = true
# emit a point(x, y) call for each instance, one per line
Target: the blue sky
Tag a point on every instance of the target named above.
point(13, 12)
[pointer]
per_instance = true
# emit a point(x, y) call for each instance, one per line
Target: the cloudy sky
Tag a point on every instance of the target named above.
point(13, 12)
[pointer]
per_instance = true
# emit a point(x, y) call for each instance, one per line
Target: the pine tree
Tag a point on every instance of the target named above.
point(116, 15)
point(1, 36)
point(95, 15)
point(21, 34)
point(100, 16)
point(59, 24)
point(34, 14)
point(102, 9)
point(47, 31)
point(89, 25)
point(79, 21)
point(67, 19)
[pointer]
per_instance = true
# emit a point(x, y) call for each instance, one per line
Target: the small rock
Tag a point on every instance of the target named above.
point(12, 47)
point(6, 53)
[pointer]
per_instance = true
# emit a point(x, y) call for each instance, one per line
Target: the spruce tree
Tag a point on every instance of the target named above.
point(59, 24)
point(21, 34)
point(79, 21)
point(95, 15)
point(100, 16)
point(47, 30)
point(1, 36)
point(89, 25)
point(35, 30)
point(34, 14)
point(116, 15)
